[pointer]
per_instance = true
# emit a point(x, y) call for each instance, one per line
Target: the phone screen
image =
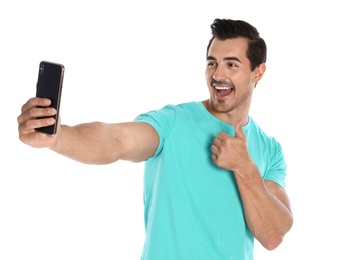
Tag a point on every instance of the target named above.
point(49, 85)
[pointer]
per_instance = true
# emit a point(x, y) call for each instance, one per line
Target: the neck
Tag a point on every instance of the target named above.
point(230, 117)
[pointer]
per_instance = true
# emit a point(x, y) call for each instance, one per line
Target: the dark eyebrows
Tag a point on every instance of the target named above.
point(233, 58)
point(226, 58)
point(210, 58)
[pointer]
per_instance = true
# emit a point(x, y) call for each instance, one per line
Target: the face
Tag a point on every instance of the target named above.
point(229, 77)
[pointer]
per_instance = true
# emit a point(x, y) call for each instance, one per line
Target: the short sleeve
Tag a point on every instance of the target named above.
point(278, 166)
point(162, 121)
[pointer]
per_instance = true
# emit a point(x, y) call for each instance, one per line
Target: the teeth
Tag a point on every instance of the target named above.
point(221, 88)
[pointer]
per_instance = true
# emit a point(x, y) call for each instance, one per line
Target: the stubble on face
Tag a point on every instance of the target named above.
point(230, 79)
point(235, 101)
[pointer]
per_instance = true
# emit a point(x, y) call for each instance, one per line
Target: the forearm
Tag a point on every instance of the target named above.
point(268, 216)
point(87, 143)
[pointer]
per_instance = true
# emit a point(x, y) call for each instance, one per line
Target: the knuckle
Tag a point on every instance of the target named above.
point(19, 119)
point(26, 125)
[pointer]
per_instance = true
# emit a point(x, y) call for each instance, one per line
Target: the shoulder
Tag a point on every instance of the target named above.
point(257, 129)
point(264, 139)
point(170, 111)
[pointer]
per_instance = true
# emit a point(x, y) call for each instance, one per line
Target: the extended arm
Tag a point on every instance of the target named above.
point(101, 143)
point(93, 143)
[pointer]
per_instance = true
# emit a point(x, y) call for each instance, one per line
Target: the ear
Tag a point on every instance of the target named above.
point(258, 72)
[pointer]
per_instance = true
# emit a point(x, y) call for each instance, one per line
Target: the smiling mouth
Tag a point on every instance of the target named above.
point(222, 91)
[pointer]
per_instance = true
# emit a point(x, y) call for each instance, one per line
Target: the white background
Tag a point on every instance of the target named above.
point(123, 58)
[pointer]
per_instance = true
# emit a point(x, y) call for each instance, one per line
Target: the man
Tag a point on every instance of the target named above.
point(213, 179)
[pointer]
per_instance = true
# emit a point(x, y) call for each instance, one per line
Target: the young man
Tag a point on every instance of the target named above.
point(213, 179)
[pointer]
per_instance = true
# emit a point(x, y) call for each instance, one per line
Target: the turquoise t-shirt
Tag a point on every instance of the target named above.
point(192, 208)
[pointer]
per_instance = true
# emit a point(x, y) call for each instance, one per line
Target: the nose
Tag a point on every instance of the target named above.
point(220, 74)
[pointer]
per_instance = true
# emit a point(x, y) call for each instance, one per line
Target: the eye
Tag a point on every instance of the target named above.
point(232, 65)
point(211, 64)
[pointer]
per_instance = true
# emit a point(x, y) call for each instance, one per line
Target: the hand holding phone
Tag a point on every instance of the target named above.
point(49, 85)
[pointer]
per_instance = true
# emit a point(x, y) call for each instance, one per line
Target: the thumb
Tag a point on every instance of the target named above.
point(238, 129)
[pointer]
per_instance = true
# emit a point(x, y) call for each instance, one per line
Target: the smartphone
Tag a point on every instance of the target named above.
point(49, 85)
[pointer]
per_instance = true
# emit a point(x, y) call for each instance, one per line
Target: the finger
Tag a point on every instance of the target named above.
point(214, 158)
point(35, 102)
point(30, 125)
point(30, 109)
point(36, 139)
point(36, 112)
point(223, 136)
point(238, 129)
point(217, 141)
point(215, 149)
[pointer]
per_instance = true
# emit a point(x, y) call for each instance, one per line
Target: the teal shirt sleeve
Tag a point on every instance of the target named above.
point(162, 121)
point(278, 167)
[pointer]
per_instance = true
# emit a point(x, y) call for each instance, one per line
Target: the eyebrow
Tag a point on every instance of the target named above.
point(226, 58)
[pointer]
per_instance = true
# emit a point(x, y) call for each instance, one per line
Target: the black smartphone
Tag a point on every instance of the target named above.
point(49, 85)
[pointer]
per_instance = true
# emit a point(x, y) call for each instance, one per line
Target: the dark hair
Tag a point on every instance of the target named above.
point(223, 29)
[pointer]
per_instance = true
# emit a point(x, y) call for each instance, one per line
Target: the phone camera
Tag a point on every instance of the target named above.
point(41, 68)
